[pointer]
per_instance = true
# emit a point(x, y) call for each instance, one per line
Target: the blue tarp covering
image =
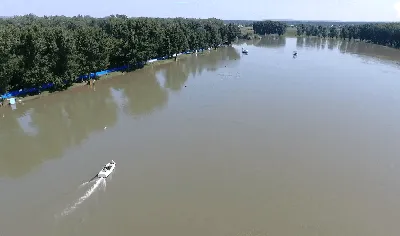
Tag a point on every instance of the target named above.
point(20, 92)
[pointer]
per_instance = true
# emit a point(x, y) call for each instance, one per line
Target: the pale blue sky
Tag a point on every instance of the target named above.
point(344, 10)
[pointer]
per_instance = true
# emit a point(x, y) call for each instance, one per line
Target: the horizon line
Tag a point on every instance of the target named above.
point(2, 17)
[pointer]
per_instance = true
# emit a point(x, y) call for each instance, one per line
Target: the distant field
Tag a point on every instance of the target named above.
point(291, 31)
point(245, 30)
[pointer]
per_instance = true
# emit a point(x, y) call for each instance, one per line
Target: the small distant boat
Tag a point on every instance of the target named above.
point(294, 53)
point(107, 170)
point(244, 51)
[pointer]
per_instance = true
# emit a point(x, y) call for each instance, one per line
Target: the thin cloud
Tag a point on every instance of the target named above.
point(397, 8)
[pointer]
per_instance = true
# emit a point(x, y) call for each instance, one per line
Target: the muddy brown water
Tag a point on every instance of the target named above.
point(219, 144)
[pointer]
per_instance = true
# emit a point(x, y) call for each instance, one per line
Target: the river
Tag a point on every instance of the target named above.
point(220, 144)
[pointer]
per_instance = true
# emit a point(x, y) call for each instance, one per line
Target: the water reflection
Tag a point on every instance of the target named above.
point(332, 44)
point(343, 46)
point(321, 43)
point(364, 50)
point(119, 97)
point(271, 42)
point(25, 122)
point(312, 43)
point(230, 54)
point(44, 129)
point(267, 42)
point(176, 74)
point(143, 92)
point(250, 42)
point(370, 50)
point(300, 42)
point(61, 121)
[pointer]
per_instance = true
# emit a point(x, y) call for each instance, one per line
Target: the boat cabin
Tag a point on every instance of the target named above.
point(107, 167)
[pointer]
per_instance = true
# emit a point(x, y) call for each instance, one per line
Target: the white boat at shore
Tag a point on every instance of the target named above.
point(107, 170)
point(244, 51)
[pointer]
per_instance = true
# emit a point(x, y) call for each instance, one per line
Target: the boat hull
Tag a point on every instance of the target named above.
point(106, 171)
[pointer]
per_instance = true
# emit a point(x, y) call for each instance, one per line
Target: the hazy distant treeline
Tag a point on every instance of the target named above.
point(325, 23)
point(304, 22)
point(240, 22)
point(39, 50)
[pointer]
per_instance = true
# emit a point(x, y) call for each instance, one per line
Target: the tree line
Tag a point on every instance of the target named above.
point(387, 34)
point(269, 27)
point(318, 30)
point(41, 50)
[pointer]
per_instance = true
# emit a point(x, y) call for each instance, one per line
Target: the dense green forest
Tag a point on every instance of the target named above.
point(269, 27)
point(42, 50)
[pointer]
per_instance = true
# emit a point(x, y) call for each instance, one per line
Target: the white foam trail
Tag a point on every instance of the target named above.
point(83, 184)
point(104, 185)
point(84, 197)
point(80, 186)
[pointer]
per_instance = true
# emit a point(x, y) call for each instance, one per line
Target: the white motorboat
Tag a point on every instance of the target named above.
point(244, 51)
point(107, 170)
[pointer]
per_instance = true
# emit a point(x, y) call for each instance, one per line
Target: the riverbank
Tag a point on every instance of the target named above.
point(93, 47)
point(45, 93)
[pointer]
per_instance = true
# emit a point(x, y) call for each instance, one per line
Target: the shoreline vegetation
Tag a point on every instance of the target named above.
point(49, 54)
point(54, 53)
point(90, 82)
point(385, 34)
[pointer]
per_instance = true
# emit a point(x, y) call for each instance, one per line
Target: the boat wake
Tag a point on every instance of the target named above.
point(99, 182)
point(87, 182)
